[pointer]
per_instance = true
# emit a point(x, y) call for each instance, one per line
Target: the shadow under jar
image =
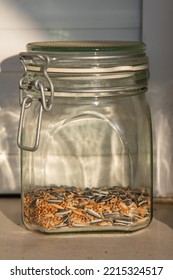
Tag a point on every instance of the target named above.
point(85, 137)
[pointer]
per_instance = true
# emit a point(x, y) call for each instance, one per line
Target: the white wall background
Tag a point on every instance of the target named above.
point(24, 21)
point(158, 35)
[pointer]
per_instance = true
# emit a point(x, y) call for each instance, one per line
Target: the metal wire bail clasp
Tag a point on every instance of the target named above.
point(26, 101)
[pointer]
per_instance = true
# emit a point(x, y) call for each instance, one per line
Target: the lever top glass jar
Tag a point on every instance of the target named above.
point(85, 137)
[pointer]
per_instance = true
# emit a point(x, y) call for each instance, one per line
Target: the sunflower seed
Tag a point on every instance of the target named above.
point(33, 203)
point(93, 213)
point(96, 221)
point(62, 212)
point(53, 200)
point(142, 202)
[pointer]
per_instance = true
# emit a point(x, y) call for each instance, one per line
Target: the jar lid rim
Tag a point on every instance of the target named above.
point(87, 46)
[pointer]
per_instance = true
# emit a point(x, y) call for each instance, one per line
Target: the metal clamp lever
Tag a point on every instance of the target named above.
point(26, 103)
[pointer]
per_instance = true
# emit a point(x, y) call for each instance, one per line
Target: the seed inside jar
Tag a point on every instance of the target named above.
point(69, 207)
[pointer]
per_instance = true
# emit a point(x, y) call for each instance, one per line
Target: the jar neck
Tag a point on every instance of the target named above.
point(88, 74)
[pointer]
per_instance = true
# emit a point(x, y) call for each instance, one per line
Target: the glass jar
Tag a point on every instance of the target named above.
point(85, 137)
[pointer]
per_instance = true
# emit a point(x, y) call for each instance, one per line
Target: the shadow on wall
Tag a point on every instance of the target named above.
point(161, 103)
point(9, 115)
